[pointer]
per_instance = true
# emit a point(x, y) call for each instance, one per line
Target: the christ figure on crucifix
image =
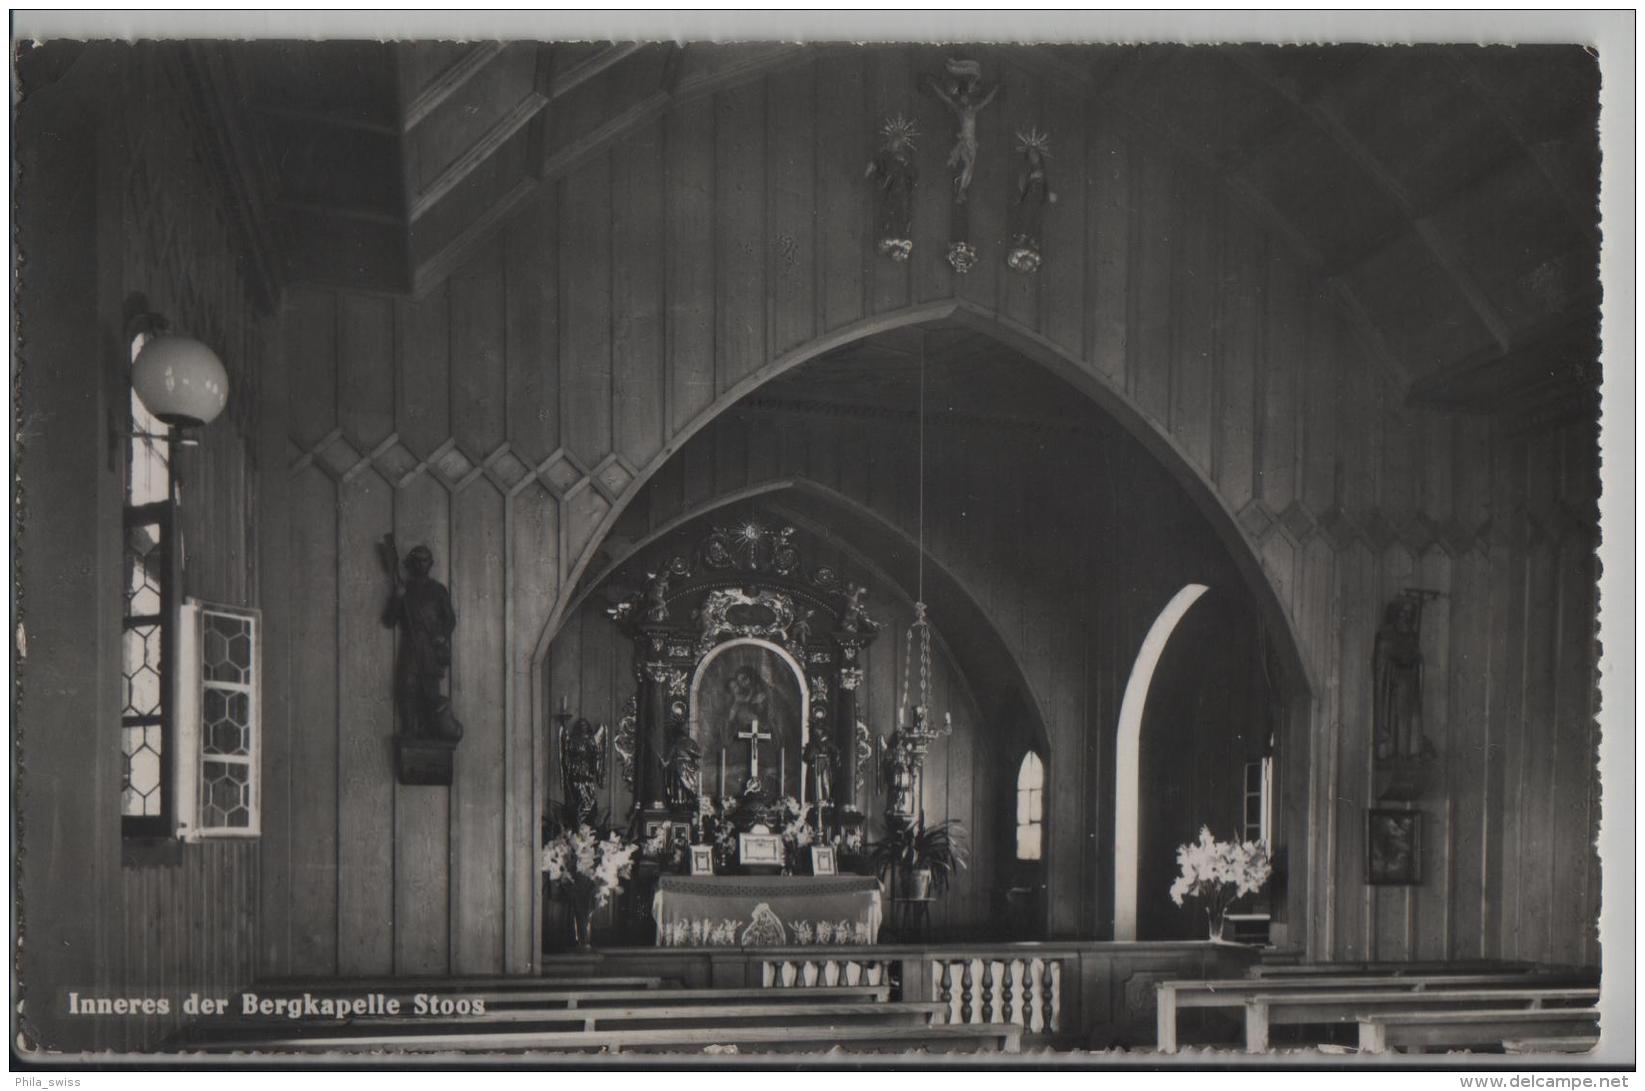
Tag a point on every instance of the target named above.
point(961, 96)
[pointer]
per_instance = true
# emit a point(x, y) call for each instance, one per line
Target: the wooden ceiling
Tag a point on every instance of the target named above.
point(1445, 194)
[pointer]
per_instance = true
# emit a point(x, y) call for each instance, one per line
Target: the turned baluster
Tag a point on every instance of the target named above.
point(1048, 997)
point(1010, 973)
point(988, 1008)
point(965, 993)
point(1030, 981)
point(947, 984)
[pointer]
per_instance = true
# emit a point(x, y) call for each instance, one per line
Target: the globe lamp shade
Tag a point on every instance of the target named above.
point(181, 381)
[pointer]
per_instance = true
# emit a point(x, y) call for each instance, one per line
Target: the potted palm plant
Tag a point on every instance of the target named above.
point(921, 858)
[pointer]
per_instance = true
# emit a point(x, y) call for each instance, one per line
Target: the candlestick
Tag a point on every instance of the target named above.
point(722, 772)
point(782, 769)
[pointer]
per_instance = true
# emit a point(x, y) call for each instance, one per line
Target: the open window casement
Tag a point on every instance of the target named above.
point(220, 722)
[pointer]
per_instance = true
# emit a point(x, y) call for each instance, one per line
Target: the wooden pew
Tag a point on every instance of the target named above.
point(453, 985)
point(1577, 1043)
point(1390, 969)
point(390, 1031)
point(791, 1037)
point(534, 1007)
point(1471, 1029)
point(1309, 1007)
point(1173, 996)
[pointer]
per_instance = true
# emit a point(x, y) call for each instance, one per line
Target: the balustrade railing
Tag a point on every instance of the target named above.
point(983, 988)
point(823, 972)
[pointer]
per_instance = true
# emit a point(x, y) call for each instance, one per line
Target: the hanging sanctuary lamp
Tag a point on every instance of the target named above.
point(911, 738)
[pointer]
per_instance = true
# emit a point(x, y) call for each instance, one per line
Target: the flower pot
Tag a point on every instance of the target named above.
point(919, 883)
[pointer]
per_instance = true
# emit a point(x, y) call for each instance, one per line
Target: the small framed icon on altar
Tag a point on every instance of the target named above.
point(822, 860)
point(702, 859)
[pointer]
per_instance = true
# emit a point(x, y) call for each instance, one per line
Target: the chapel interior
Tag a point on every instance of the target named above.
point(1222, 452)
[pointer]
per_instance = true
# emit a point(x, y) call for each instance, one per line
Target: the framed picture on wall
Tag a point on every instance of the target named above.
point(822, 860)
point(702, 859)
point(1393, 853)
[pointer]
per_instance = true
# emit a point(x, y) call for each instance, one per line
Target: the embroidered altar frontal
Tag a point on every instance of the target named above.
point(738, 911)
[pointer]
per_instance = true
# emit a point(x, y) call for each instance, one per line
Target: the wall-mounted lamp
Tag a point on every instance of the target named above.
point(180, 381)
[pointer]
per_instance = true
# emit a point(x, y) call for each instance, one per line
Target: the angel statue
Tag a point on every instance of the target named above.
point(960, 94)
point(893, 168)
point(582, 767)
point(1033, 194)
point(855, 619)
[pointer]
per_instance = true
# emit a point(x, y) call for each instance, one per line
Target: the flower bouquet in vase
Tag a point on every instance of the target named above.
point(1218, 873)
point(587, 870)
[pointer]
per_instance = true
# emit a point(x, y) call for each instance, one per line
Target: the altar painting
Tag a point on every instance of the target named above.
point(739, 684)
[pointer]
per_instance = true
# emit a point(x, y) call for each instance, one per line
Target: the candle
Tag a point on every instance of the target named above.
point(722, 771)
point(782, 769)
point(565, 704)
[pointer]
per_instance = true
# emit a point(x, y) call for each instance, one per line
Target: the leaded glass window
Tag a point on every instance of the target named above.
point(1030, 807)
point(146, 712)
point(222, 728)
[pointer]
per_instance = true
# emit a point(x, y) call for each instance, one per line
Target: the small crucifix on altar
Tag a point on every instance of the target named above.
point(754, 735)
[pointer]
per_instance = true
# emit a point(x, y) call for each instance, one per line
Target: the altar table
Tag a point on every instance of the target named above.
point(761, 911)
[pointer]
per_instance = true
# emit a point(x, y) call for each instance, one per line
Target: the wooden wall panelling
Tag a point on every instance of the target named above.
point(364, 721)
point(741, 237)
point(531, 339)
point(791, 137)
point(532, 569)
point(422, 409)
point(314, 723)
point(844, 147)
point(365, 379)
point(1194, 294)
point(1066, 234)
point(422, 847)
point(637, 277)
point(311, 354)
point(692, 260)
point(479, 391)
point(1115, 224)
point(478, 681)
point(1150, 318)
point(1319, 378)
point(585, 321)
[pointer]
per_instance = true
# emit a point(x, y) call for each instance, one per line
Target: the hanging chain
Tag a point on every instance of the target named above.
point(921, 624)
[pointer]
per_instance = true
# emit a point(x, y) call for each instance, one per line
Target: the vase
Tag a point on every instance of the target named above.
point(1215, 920)
point(582, 925)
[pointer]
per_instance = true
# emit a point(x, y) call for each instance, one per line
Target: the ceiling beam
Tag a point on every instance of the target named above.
point(478, 152)
point(574, 77)
point(449, 82)
point(1333, 126)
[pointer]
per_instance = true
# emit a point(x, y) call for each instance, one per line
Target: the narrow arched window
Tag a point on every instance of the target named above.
point(1030, 807)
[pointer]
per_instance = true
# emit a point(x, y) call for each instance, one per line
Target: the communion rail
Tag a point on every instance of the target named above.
point(1071, 994)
